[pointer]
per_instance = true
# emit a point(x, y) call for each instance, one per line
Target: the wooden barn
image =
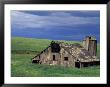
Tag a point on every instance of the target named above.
point(73, 55)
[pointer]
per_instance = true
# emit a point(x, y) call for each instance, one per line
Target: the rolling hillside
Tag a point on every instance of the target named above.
point(23, 49)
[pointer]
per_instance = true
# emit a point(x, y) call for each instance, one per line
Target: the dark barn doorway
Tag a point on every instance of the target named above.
point(77, 64)
point(85, 64)
point(53, 57)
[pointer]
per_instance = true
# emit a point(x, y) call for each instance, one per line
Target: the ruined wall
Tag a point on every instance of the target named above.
point(62, 58)
point(55, 59)
point(67, 59)
point(90, 45)
point(93, 47)
point(48, 57)
point(45, 57)
point(86, 43)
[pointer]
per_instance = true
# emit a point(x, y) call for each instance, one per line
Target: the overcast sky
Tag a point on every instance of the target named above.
point(56, 25)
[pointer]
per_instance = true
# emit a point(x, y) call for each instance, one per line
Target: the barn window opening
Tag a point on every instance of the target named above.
point(66, 58)
point(54, 57)
point(35, 61)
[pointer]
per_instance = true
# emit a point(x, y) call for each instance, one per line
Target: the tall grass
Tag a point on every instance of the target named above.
point(22, 67)
point(23, 49)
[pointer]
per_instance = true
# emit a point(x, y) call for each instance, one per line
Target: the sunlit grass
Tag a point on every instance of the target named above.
point(23, 49)
point(22, 67)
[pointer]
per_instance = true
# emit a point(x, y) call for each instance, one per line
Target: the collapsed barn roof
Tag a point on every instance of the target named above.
point(76, 50)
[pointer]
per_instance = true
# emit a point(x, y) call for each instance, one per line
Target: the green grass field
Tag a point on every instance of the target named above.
point(23, 49)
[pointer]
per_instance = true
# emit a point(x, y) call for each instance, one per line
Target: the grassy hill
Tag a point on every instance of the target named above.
point(23, 49)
